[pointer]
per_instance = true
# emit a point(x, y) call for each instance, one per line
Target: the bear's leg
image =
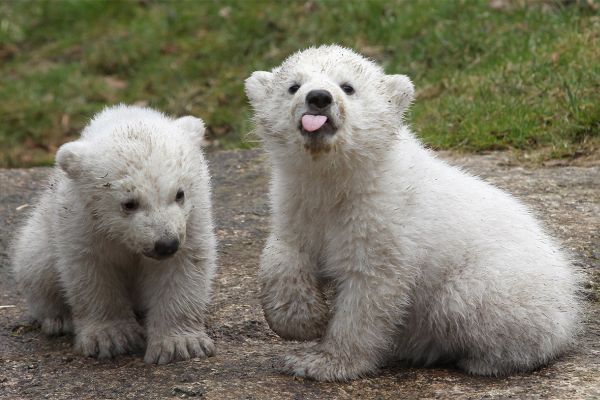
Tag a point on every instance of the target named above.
point(46, 302)
point(35, 271)
point(103, 318)
point(515, 345)
point(359, 335)
point(491, 366)
point(510, 355)
point(177, 297)
point(293, 304)
point(505, 324)
point(38, 280)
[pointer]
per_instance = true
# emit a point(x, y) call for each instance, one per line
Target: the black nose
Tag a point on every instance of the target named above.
point(319, 99)
point(166, 247)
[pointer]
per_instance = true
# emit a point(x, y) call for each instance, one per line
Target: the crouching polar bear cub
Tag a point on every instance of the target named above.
point(427, 262)
point(125, 227)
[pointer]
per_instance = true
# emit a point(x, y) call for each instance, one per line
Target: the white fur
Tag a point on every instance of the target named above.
point(426, 261)
point(85, 264)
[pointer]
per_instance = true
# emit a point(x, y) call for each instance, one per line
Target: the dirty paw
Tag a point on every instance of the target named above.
point(179, 348)
point(300, 320)
point(109, 339)
point(324, 365)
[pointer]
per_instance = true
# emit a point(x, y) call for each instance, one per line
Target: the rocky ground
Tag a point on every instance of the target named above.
point(33, 366)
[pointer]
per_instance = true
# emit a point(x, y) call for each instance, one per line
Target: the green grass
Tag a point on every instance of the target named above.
point(524, 77)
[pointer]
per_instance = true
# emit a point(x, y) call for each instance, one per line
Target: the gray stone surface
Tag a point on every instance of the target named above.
point(33, 366)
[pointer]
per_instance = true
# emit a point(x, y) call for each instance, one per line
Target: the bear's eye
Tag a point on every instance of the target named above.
point(347, 88)
point(130, 205)
point(180, 196)
point(294, 88)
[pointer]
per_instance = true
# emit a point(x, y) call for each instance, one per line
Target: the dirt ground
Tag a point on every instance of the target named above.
point(34, 367)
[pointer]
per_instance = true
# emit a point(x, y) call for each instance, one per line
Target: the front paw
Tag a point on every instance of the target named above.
point(326, 365)
point(108, 339)
point(174, 348)
point(297, 319)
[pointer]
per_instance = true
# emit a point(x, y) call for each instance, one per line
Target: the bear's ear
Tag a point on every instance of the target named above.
point(257, 86)
point(70, 158)
point(192, 126)
point(401, 90)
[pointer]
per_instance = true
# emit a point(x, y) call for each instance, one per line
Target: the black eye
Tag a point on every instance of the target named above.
point(179, 196)
point(294, 88)
point(347, 89)
point(130, 205)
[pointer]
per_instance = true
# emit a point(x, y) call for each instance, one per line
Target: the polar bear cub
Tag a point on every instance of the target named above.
point(426, 261)
point(124, 229)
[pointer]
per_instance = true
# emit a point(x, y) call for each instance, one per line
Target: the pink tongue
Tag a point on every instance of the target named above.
point(311, 123)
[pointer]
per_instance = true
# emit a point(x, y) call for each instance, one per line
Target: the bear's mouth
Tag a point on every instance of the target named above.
point(314, 125)
point(318, 133)
point(158, 257)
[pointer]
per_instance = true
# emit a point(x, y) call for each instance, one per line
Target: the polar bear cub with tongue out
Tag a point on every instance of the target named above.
point(427, 263)
point(123, 230)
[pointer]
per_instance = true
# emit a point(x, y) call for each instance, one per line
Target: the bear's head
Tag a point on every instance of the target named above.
point(140, 179)
point(328, 98)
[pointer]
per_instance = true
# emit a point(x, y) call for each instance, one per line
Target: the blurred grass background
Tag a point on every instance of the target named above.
point(490, 74)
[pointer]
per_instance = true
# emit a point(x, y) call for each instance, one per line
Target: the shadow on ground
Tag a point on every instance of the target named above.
point(33, 366)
